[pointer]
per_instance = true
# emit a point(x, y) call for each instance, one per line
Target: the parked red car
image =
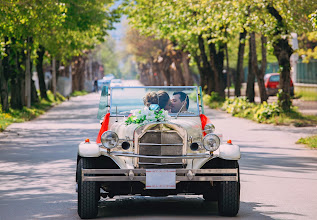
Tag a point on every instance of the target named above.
point(272, 81)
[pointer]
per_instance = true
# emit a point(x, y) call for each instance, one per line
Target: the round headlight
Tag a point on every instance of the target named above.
point(209, 128)
point(211, 142)
point(109, 139)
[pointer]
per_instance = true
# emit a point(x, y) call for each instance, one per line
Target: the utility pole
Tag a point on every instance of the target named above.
point(28, 76)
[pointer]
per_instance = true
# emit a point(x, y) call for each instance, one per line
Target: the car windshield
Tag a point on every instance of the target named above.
point(275, 78)
point(181, 100)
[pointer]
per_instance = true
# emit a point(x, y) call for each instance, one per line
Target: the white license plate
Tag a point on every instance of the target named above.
point(160, 179)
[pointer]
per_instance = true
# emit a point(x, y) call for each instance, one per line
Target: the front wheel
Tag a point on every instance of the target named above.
point(88, 192)
point(229, 193)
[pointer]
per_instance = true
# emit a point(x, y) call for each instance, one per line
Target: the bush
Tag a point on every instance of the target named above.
point(213, 100)
point(267, 111)
point(241, 107)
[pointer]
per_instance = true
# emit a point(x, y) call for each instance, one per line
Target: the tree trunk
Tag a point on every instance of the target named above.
point(165, 69)
point(283, 52)
point(187, 75)
point(216, 63)
point(4, 76)
point(178, 73)
point(208, 75)
point(28, 76)
point(34, 95)
point(228, 72)
point(213, 66)
point(16, 101)
point(237, 87)
point(219, 64)
point(78, 79)
point(200, 70)
point(54, 76)
point(251, 70)
point(40, 73)
point(261, 72)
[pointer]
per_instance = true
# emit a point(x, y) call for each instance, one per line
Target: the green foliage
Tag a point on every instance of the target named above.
point(213, 100)
point(306, 94)
point(106, 53)
point(241, 107)
point(146, 115)
point(313, 19)
point(78, 93)
point(284, 100)
point(310, 141)
point(267, 113)
point(26, 114)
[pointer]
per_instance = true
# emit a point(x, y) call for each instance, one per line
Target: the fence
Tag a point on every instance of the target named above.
point(307, 72)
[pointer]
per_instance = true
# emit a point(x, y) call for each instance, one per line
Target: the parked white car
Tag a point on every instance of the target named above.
point(155, 151)
point(115, 82)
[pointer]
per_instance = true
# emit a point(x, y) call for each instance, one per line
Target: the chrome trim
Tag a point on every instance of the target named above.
point(131, 154)
point(182, 133)
point(161, 144)
point(162, 131)
point(185, 175)
point(160, 164)
point(160, 157)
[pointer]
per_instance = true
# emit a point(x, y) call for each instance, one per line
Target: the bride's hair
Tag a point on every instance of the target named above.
point(161, 98)
point(150, 98)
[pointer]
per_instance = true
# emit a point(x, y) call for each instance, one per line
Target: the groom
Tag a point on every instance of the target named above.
point(179, 99)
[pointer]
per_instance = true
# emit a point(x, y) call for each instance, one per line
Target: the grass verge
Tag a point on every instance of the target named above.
point(26, 114)
point(78, 93)
point(307, 94)
point(310, 141)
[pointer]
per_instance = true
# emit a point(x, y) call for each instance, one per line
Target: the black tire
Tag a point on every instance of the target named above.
point(229, 193)
point(88, 192)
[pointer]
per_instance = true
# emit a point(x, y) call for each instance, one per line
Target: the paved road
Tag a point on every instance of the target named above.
point(38, 160)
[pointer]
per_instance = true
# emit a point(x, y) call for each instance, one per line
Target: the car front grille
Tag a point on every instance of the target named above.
point(160, 142)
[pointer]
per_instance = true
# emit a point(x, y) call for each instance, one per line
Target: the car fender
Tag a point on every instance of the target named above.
point(89, 149)
point(229, 152)
point(225, 151)
point(122, 162)
point(199, 163)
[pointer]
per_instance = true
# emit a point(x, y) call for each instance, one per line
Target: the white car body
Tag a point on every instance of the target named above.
point(171, 153)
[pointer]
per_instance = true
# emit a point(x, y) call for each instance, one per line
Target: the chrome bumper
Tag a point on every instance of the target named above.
point(131, 154)
point(140, 175)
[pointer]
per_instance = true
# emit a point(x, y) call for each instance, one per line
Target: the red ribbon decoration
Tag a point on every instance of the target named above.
point(104, 127)
point(204, 120)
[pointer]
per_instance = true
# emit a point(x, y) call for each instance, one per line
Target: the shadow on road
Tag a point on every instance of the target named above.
point(262, 161)
point(174, 208)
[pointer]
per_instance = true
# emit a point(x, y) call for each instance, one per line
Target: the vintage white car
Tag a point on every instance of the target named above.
point(147, 150)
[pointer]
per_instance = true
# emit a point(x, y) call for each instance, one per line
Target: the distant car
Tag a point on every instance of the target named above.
point(116, 82)
point(108, 77)
point(103, 82)
point(272, 81)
